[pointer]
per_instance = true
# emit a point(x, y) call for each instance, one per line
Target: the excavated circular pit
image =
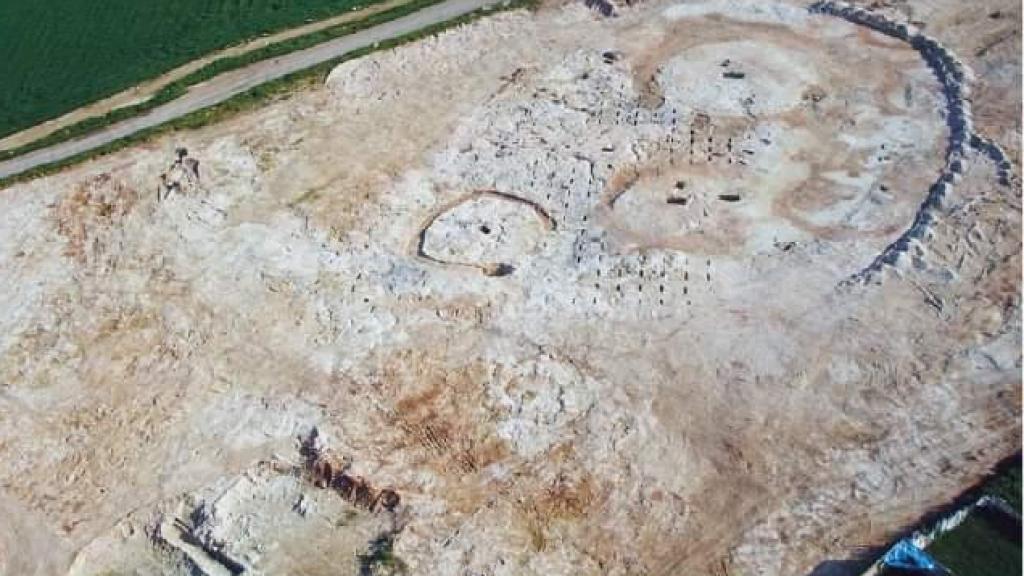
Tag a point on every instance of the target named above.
point(487, 229)
point(806, 136)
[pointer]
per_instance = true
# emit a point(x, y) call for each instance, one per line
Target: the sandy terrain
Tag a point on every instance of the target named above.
point(724, 287)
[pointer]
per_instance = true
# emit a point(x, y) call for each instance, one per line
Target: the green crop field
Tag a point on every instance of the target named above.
point(1006, 485)
point(978, 548)
point(61, 54)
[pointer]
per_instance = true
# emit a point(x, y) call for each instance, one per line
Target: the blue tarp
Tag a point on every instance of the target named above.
point(906, 556)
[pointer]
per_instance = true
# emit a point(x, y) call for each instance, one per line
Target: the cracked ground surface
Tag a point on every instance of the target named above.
point(577, 289)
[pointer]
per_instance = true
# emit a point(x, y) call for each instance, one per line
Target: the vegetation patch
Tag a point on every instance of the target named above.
point(979, 547)
point(1006, 485)
point(279, 89)
point(63, 54)
point(179, 87)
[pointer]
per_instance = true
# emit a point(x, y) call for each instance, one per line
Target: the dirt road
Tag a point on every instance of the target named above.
point(238, 81)
point(149, 88)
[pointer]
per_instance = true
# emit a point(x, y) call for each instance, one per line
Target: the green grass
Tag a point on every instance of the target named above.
point(260, 95)
point(180, 86)
point(1006, 486)
point(978, 548)
point(61, 54)
point(987, 543)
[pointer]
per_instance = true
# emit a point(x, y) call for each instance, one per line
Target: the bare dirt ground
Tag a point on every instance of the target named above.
point(705, 288)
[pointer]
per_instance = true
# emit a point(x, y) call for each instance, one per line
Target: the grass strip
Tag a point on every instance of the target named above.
point(1007, 485)
point(61, 55)
point(179, 87)
point(977, 548)
point(262, 94)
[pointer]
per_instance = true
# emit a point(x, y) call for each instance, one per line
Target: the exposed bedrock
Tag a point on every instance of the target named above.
point(955, 76)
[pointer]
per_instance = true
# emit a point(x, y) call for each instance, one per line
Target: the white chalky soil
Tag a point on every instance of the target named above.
point(655, 294)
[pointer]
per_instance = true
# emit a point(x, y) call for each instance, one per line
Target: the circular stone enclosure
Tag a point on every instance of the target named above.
point(809, 130)
point(488, 230)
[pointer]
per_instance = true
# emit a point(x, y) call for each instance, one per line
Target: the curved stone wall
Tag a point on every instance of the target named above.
point(955, 77)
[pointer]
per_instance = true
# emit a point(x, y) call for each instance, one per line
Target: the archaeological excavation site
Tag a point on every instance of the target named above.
point(665, 287)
